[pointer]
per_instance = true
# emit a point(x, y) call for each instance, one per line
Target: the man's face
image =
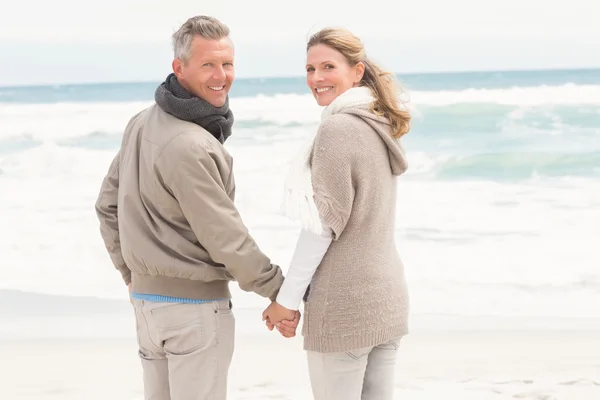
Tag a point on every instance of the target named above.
point(209, 72)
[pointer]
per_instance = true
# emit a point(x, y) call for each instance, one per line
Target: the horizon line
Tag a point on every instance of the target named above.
point(242, 78)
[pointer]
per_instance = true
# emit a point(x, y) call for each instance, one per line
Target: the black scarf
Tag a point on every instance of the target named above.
point(175, 100)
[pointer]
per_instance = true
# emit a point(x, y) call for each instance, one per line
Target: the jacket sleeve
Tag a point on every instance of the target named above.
point(106, 210)
point(197, 184)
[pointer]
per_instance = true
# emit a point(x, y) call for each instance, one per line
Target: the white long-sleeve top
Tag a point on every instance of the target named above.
point(310, 249)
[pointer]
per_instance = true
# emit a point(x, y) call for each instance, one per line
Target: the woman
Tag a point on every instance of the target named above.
point(343, 190)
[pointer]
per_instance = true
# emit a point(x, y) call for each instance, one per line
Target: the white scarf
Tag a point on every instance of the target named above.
point(298, 198)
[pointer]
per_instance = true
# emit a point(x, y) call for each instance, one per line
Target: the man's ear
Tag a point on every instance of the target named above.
point(177, 67)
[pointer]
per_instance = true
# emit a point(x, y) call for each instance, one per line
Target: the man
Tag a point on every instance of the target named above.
point(168, 220)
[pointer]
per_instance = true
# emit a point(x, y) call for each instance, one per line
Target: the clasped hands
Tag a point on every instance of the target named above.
point(281, 318)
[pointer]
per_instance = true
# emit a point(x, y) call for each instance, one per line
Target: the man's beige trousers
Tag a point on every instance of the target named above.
point(186, 349)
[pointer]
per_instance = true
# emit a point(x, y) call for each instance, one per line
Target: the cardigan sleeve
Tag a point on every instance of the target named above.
point(332, 171)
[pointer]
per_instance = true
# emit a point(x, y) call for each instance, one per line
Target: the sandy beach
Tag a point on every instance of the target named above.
point(441, 358)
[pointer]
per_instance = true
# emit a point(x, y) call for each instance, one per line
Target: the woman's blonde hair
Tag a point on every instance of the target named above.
point(383, 85)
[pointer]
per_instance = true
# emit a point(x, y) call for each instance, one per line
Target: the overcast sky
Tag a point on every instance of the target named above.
point(68, 41)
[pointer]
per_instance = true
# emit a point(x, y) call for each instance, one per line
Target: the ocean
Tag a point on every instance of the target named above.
point(498, 214)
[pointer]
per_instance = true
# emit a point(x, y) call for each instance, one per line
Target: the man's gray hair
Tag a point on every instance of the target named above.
point(203, 26)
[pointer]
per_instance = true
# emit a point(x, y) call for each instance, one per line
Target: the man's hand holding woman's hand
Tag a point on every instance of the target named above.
point(285, 320)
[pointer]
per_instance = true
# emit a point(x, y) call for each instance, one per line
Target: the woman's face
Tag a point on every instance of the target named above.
point(328, 73)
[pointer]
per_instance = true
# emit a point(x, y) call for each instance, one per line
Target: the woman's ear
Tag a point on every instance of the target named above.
point(360, 71)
